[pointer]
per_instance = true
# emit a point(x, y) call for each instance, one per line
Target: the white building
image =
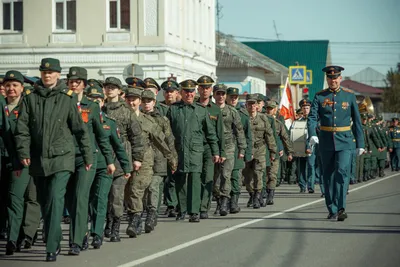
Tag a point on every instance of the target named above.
point(121, 38)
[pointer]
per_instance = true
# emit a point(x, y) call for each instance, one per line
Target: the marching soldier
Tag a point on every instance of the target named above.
point(103, 179)
point(365, 158)
point(383, 150)
point(233, 133)
point(3, 170)
point(232, 99)
point(334, 108)
point(47, 124)
point(303, 162)
point(205, 88)
point(191, 126)
point(394, 145)
point(376, 145)
point(263, 140)
point(152, 85)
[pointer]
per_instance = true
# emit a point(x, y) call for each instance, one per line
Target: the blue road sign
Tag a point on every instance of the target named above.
point(297, 74)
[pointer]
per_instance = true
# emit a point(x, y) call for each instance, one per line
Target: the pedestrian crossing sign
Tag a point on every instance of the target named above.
point(308, 77)
point(297, 74)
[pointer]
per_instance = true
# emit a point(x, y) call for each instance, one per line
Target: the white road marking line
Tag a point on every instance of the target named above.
point(232, 228)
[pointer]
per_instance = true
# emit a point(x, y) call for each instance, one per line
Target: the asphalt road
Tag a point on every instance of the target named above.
point(293, 232)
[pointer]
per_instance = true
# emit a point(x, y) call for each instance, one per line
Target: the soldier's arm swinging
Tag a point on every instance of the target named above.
point(119, 150)
point(22, 134)
point(270, 140)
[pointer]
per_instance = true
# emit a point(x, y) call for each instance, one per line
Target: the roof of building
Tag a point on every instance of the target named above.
point(313, 54)
point(361, 88)
point(233, 54)
point(370, 77)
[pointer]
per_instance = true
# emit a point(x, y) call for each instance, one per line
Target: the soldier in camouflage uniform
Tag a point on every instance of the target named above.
point(191, 126)
point(263, 140)
point(140, 181)
point(376, 147)
point(132, 139)
point(232, 99)
point(233, 134)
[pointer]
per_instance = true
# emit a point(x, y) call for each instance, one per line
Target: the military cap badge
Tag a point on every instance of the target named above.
point(73, 72)
point(47, 64)
point(12, 75)
point(94, 91)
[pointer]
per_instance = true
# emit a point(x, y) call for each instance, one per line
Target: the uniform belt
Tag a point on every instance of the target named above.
point(335, 129)
point(396, 140)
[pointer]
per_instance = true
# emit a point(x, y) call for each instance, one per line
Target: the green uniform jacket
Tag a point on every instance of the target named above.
point(121, 161)
point(215, 115)
point(161, 108)
point(382, 136)
point(90, 112)
point(394, 137)
point(190, 124)
point(3, 126)
point(245, 119)
point(375, 141)
point(367, 141)
point(47, 123)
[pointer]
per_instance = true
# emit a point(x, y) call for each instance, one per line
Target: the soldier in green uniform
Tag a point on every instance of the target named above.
point(263, 140)
point(394, 145)
point(284, 144)
point(375, 147)
point(232, 99)
point(48, 122)
point(153, 136)
point(191, 126)
point(103, 179)
point(21, 188)
point(171, 91)
point(134, 144)
point(234, 137)
point(205, 88)
point(78, 189)
point(334, 108)
point(364, 159)
point(383, 150)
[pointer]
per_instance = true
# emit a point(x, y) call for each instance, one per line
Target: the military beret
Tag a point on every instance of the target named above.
point(92, 82)
point(113, 81)
point(151, 83)
point(148, 94)
point(170, 85)
point(252, 97)
point(94, 90)
point(304, 102)
point(13, 75)
point(271, 104)
point(50, 64)
point(77, 73)
point(205, 80)
point(188, 85)
point(220, 88)
point(333, 71)
point(232, 91)
point(133, 92)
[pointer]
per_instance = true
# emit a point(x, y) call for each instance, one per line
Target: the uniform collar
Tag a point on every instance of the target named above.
point(335, 91)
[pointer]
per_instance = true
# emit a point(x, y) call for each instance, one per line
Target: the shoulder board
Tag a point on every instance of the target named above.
point(27, 92)
point(200, 105)
point(163, 105)
point(68, 92)
point(320, 92)
point(347, 90)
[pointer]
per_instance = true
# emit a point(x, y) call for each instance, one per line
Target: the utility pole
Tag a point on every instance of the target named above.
point(276, 31)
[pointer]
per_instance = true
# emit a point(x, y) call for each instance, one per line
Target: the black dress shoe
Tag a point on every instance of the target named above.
point(302, 190)
point(11, 247)
point(85, 243)
point(28, 242)
point(181, 216)
point(51, 256)
point(342, 215)
point(311, 191)
point(332, 216)
point(3, 234)
point(74, 250)
point(194, 218)
point(203, 215)
point(97, 242)
point(322, 195)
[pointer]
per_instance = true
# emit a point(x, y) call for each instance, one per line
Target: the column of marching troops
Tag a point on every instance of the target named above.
point(91, 151)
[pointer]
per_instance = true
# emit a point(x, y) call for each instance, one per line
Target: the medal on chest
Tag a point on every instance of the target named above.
point(15, 113)
point(327, 102)
point(84, 113)
point(7, 111)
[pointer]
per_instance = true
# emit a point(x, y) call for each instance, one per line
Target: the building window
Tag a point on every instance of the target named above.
point(119, 15)
point(12, 15)
point(65, 15)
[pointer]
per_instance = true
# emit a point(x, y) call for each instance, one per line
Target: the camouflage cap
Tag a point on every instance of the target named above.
point(148, 94)
point(170, 85)
point(220, 88)
point(113, 81)
point(151, 83)
point(205, 80)
point(188, 85)
point(133, 92)
point(77, 73)
point(94, 90)
point(50, 64)
point(92, 82)
point(13, 75)
point(252, 98)
point(271, 104)
point(232, 91)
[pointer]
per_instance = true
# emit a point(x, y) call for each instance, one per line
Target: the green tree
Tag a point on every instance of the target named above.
point(391, 96)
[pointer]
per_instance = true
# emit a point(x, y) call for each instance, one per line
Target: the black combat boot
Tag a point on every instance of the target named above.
point(218, 199)
point(270, 198)
point(115, 230)
point(107, 229)
point(11, 247)
point(365, 177)
point(132, 229)
point(264, 193)
point(234, 204)
point(381, 172)
point(250, 202)
point(97, 241)
point(223, 211)
point(256, 200)
point(150, 221)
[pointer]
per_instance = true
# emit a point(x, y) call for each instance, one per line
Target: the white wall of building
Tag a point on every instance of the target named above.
point(256, 77)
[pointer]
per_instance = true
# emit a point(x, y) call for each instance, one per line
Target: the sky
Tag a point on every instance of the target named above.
point(362, 33)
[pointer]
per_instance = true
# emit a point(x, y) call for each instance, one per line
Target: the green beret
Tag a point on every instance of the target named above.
point(113, 81)
point(232, 91)
point(148, 94)
point(220, 88)
point(77, 73)
point(13, 75)
point(95, 91)
point(252, 97)
point(205, 80)
point(170, 85)
point(50, 64)
point(151, 83)
point(188, 85)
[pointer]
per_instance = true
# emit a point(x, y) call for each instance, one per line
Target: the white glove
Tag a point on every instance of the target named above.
point(313, 140)
point(360, 151)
